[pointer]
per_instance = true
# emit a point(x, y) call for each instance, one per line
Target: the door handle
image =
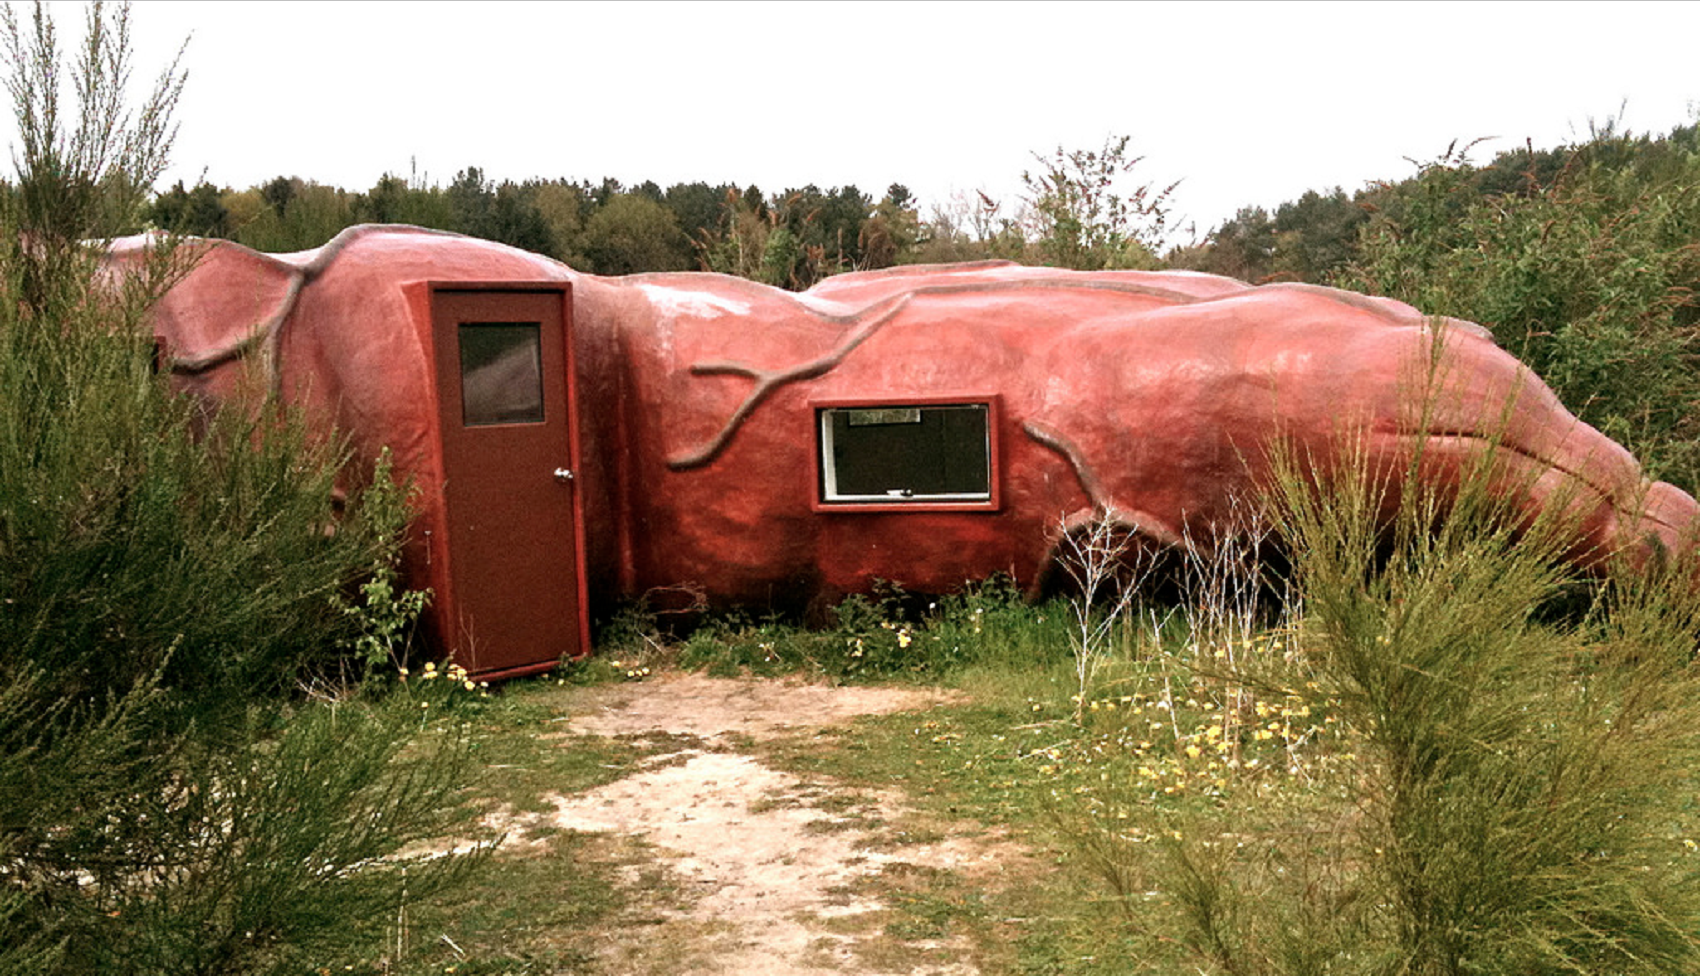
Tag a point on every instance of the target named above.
point(563, 475)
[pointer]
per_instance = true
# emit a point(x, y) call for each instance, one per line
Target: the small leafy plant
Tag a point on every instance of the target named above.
point(385, 612)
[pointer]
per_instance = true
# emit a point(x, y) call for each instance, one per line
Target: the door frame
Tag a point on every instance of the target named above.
point(448, 608)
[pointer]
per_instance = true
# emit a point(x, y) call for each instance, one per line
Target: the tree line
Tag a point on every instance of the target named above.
point(790, 239)
point(1581, 258)
point(1073, 215)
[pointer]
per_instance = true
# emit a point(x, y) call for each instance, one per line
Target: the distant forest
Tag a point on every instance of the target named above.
point(1583, 259)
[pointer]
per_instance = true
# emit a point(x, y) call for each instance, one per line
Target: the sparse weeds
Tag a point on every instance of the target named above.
point(735, 644)
point(546, 915)
point(1095, 557)
point(1422, 774)
point(885, 635)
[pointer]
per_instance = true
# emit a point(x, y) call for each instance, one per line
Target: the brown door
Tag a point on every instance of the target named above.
point(504, 381)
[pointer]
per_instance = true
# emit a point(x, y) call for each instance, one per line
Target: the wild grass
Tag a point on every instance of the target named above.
point(1428, 771)
point(1434, 748)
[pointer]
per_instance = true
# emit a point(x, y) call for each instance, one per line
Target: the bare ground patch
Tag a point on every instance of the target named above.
point(767, 872)
point(693, 704)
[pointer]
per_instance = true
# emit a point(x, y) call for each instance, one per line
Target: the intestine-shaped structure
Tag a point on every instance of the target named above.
point(925, 425)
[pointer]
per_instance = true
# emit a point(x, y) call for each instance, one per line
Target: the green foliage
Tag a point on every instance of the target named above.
point(1463, 781)
point(501, 213)
point(1309, 239)
point(561, 206)
point(1086, 221)
point(1589, 277)
point(737, 244)
point(385, 611)
point(891, 234)
point(826, 227)
point(883, 635)
point(802, 236)
point(129, 549)
point(697, 207)
point(631, 233)
point(1243, 248)
point(1520, 777)
point(1316, 235)
point(780, 256)
point(167, 580)
point(393, 200)
point(199, 212)
point(872, 637)
point(271, 218)
point(250, 853)
point(90, 181)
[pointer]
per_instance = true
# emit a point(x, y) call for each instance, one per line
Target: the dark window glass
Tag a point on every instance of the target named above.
point(898, 453)
point(501, 373)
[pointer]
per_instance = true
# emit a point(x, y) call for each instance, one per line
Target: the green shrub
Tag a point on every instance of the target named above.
point(1084, 222)
point(1431, 774)
point(274, 845)
point(168, 578)
point(1520, 777)
point(1589, 278)
point(385, 610)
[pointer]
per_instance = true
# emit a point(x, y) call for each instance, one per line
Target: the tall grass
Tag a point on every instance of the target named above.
point(1479, 776)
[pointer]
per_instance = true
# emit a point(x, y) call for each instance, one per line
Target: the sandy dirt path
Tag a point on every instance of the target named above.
point(779, 874)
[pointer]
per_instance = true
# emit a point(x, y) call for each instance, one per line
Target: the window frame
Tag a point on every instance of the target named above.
point(820, 420)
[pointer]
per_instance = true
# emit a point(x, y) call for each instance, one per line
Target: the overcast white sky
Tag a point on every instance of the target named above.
point(1248, 103)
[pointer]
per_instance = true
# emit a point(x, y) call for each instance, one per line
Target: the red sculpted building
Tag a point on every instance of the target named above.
point(577, 439)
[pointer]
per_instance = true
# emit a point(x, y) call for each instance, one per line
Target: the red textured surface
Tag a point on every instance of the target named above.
point(1149, 393)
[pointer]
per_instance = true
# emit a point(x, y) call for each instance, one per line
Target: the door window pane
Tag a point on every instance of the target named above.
point(501, 373)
